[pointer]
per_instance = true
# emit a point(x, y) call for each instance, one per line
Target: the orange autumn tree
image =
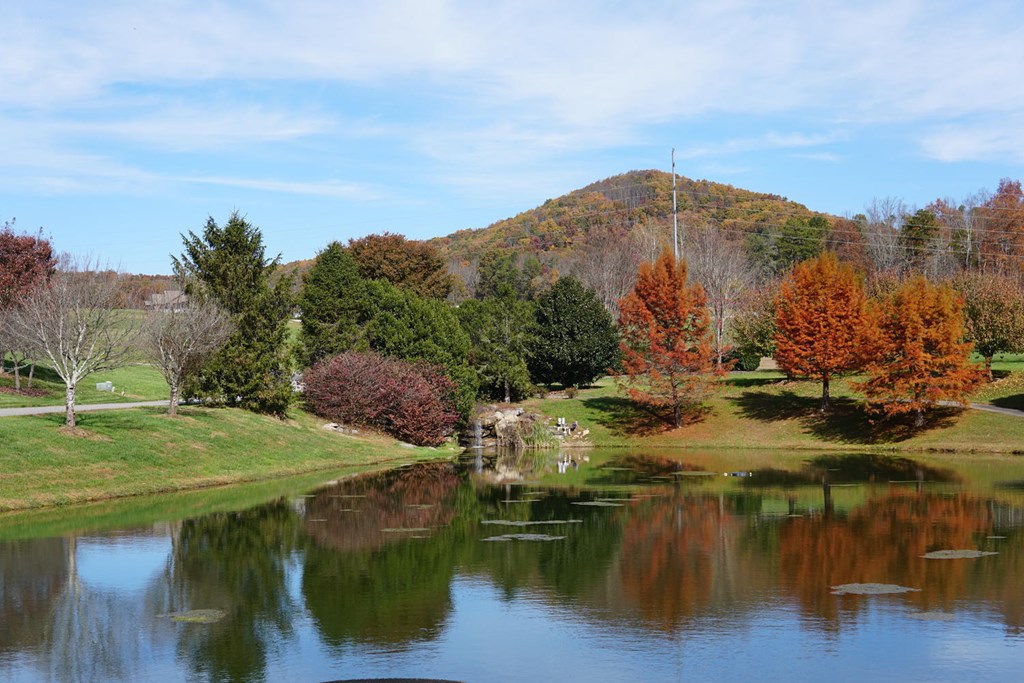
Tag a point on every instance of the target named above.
point(666, 339)
point(921, 356)
point(822, 320)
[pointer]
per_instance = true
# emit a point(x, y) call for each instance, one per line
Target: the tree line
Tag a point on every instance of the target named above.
point(510, 323)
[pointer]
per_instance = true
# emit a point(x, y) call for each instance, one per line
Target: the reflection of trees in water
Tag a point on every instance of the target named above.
point(353, 514)
point(236, 562)
point(364, 584)
point(32, 575)
point(77, 632)
point(683, 556)
point(882, 542)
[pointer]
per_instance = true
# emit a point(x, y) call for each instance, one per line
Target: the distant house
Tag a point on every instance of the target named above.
point(165, 301)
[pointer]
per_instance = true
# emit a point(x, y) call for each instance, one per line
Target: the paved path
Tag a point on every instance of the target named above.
point(988, 407)
point(81, 408)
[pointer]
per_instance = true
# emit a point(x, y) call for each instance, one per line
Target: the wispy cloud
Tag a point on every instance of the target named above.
point(322, 188)
point(767, 141)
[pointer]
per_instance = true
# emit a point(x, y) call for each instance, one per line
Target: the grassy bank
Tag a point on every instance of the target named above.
point(764, 410)
point(142, 451)
point(137, 382)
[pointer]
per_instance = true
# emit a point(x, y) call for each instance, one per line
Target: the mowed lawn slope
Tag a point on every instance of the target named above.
point(753, 410)
point(141, 451)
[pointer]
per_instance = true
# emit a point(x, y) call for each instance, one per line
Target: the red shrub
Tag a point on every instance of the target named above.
point(411, 401)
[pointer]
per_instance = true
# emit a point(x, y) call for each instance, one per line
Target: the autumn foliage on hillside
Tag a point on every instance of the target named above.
point(668, 360)
point(411, 401)
point(921, 358)
point(823, 326)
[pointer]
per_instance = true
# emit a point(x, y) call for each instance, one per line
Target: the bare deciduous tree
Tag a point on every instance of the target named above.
point(182, 338)
point(72, 323)
point(607, 263)
point(726, 274)
point(884, 218)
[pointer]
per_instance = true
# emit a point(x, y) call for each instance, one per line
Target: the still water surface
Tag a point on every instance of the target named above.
point(669, 571)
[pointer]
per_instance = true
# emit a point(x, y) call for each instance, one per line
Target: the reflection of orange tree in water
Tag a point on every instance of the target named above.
point(682, 556)
point(882, 542)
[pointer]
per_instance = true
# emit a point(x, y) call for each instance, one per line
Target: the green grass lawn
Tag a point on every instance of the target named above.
point(137, 382)
point(142, 451)
point(754, 410)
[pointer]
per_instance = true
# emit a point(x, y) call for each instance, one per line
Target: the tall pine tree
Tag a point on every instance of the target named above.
point(332, 300)
point(229, 265)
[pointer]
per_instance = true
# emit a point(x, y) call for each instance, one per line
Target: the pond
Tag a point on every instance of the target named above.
point(615, 566)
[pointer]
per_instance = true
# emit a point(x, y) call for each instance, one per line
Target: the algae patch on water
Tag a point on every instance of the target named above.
point(957, 554)
point(524, 537)
point(871, 589)
point(522, 523)
point(196, 616)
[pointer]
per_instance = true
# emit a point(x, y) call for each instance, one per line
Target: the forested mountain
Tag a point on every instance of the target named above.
point(638, 199)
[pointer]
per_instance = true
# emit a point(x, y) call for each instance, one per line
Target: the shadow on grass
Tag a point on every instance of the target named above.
point(752, 381)
point(623, 417)
point(1016, 402)
point(848, 422)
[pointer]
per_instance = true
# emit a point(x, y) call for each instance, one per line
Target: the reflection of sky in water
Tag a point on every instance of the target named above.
point(122, 563)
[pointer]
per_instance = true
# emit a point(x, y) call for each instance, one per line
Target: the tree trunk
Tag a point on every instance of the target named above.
point(508, 393)
point(172, 406)
point(31, 374)
point(17, 375)
point(988, 367)
point(918, 418)
point(677, 415)
point(69, 406)
point(826, 399)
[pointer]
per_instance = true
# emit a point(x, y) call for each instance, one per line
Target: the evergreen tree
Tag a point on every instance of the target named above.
point(576, 341)
point(501, 332)
point(499, 275)
point(229, 266)
point(400, 324)
point(332, 299)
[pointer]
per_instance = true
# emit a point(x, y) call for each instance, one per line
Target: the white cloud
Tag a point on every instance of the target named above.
point(323, 188)
point(983, 141)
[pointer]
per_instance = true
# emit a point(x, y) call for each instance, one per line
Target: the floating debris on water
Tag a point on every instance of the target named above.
point(509, 500)
point(349, 495)
point(316, 520)
point(196, 616)
point(599, 504)
point(871, 589)
point(933, 616)
point(995, 537)
point(957, 554)
point(523, 537)
point(521, 523)
point(421, 506)
point(405, 529)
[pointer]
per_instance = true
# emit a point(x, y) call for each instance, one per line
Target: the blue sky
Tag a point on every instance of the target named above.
point(124, 124)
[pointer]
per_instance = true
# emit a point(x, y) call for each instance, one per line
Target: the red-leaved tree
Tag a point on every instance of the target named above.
point(26, 261)
point(822, 322)
point(668, 358)
point(921, 357)
point(411, 401)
